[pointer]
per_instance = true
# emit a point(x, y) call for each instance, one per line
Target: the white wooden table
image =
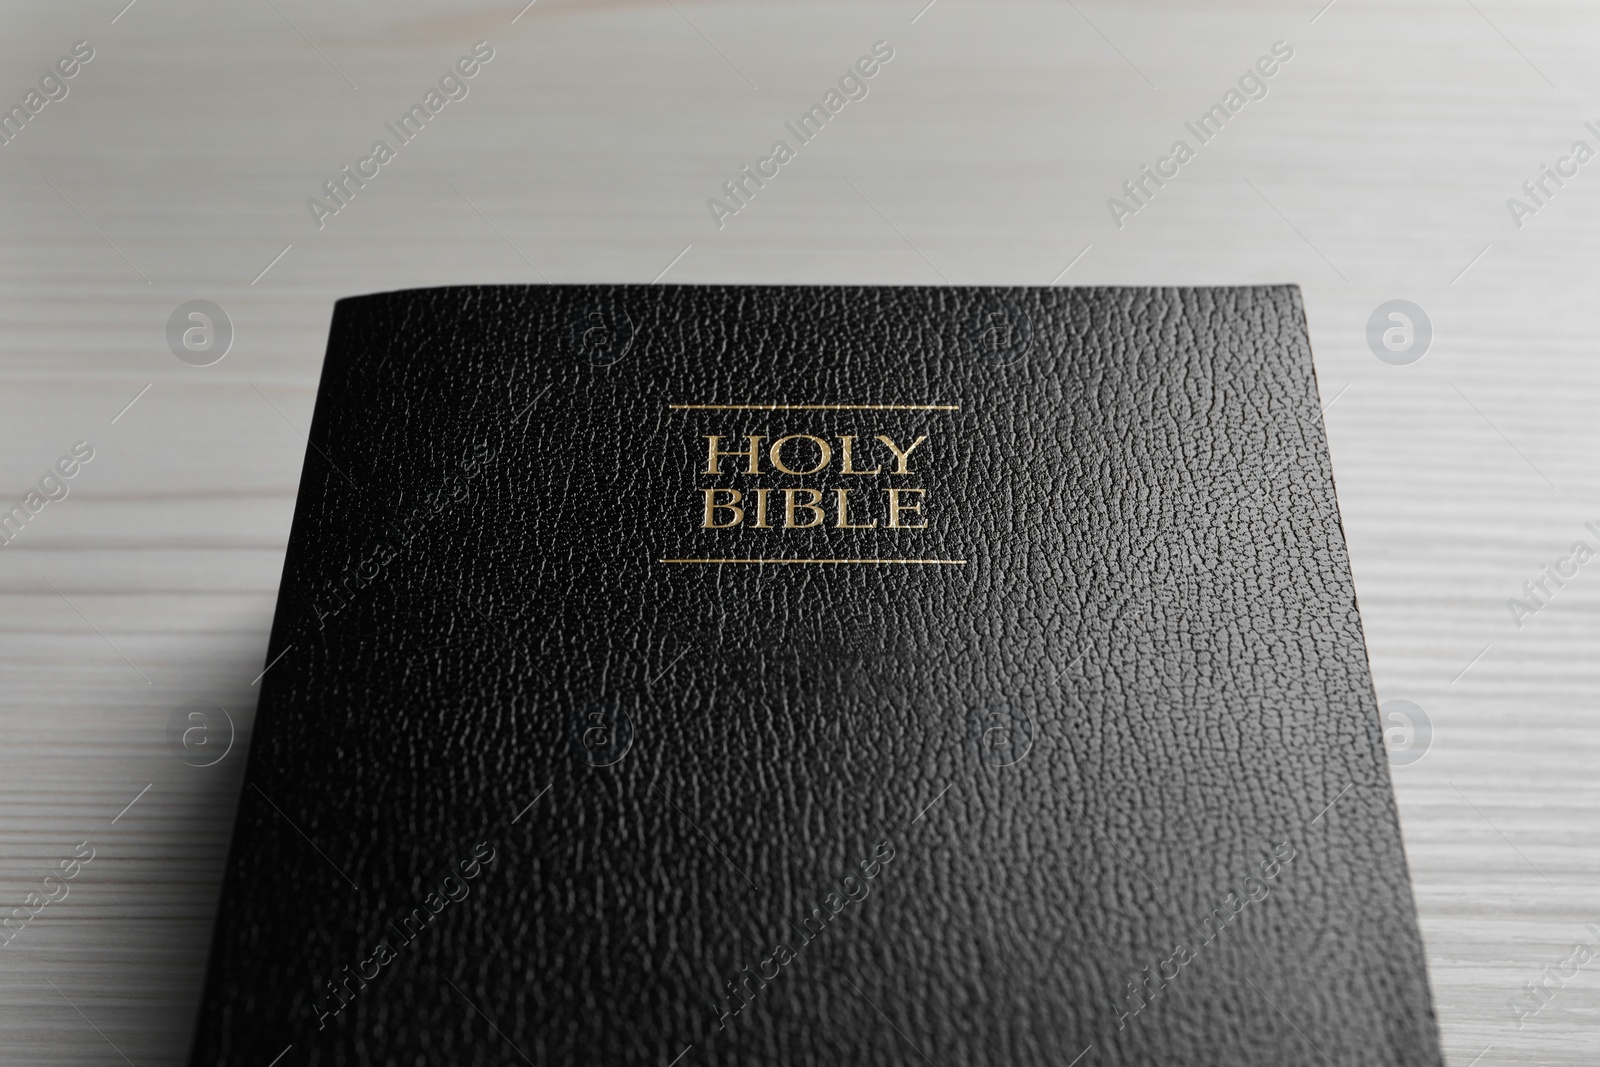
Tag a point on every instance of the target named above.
point(1377, 167)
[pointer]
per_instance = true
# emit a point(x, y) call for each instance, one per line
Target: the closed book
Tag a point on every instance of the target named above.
point(817, 675)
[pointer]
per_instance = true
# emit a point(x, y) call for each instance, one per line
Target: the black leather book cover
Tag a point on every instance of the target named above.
point(818, 676)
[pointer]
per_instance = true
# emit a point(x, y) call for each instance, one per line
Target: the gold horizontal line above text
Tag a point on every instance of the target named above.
point(932, 562)
point(815, 407)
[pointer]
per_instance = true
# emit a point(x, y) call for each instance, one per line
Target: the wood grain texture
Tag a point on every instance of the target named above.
point(1377, 167)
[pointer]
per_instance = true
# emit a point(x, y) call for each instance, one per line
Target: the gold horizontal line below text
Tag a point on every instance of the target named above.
point(931, 562)
point(815, 407)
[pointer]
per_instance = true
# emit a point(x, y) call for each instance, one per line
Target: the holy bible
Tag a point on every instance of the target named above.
point(704, 675)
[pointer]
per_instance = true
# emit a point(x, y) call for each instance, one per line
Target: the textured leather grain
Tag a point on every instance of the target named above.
point(1105, 784)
